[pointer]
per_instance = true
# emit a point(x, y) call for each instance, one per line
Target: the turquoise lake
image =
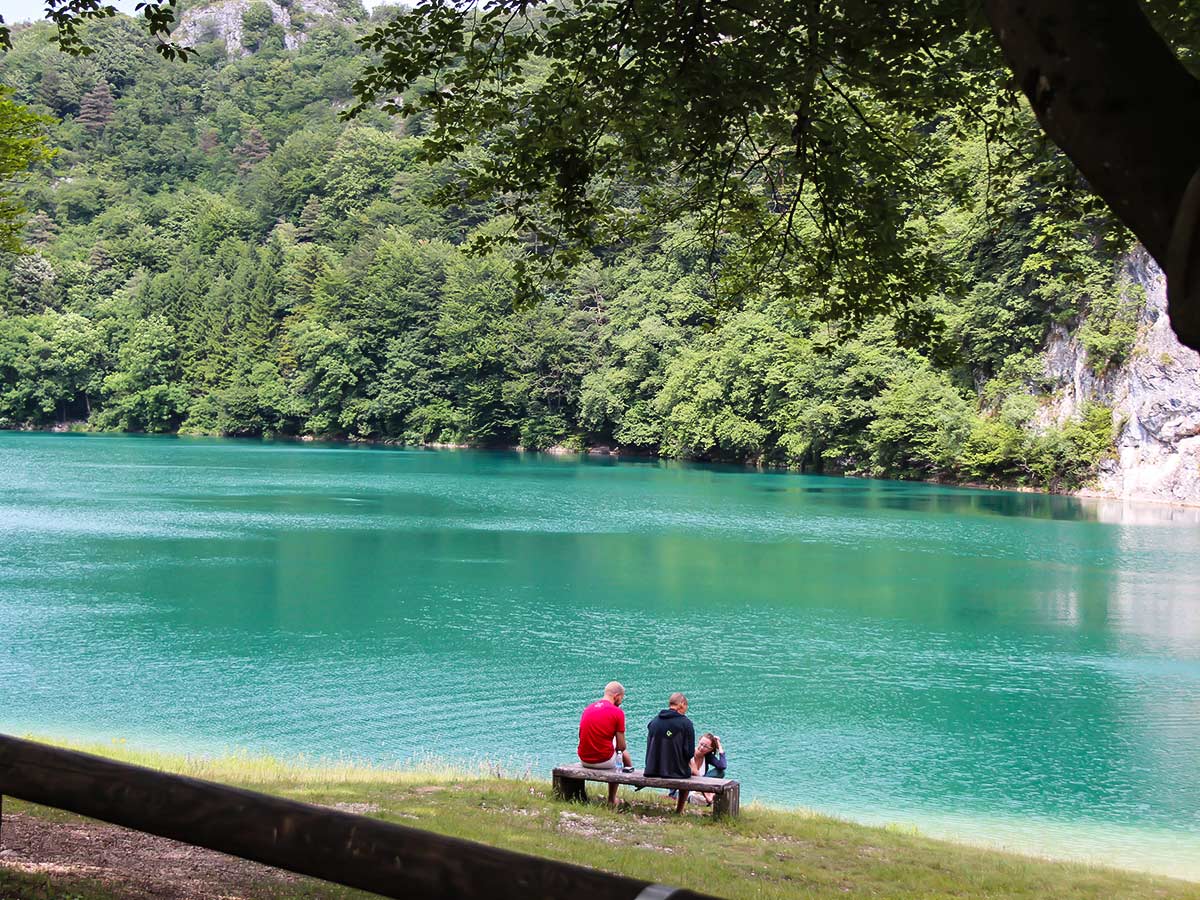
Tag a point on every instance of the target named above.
point(1015, 669)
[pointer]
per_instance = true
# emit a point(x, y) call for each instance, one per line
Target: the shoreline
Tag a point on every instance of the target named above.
point(1023, 837)
point(625, 453)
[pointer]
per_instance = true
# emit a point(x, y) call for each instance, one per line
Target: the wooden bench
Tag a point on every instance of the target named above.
point(569, 785)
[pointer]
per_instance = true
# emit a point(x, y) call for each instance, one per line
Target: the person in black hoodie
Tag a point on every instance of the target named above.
point(670, 745)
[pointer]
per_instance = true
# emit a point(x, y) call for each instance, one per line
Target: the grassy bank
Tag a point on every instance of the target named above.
point(766, 853)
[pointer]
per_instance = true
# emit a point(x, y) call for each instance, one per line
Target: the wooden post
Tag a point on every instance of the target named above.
point(566, 788)
point(728, 802)
point(355, 851)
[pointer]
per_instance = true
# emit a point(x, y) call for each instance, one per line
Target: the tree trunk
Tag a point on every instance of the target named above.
point(1108, 90)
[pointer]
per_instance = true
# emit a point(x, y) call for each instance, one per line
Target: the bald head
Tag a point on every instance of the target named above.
point(614, 690)
point(677, 701)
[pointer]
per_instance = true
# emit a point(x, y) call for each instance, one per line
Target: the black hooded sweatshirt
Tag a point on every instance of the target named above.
point(670, 745)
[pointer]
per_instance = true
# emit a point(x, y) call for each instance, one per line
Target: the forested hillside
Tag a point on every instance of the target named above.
point(213, 250)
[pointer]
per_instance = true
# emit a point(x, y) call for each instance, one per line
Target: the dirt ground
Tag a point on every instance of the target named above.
point(133, 864)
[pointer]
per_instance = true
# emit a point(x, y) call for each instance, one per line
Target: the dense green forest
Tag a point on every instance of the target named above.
point(214, 250)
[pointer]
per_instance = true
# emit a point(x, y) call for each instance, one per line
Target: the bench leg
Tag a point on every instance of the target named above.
point(727, 803)
point(570, 788)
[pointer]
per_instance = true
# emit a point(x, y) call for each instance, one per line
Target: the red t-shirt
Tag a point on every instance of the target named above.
point(598, 726)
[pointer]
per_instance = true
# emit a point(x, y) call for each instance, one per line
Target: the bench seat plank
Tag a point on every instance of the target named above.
point(637, 779)
point(569, 784)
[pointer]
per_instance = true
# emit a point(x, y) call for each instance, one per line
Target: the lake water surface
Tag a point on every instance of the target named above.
point(1011, 668)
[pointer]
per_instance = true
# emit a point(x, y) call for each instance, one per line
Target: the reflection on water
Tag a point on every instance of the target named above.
point(1014, 668)
point(1124, 512)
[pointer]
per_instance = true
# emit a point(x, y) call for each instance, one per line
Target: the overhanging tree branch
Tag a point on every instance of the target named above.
point(1110, 93)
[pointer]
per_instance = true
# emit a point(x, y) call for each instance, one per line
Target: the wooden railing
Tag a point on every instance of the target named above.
point(355, 851)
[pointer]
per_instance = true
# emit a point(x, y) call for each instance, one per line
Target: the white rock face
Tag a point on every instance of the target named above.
point(1155, 398)
point(223, 20)
point(1159, 392)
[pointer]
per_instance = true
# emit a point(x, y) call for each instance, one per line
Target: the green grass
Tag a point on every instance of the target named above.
point(766, 853)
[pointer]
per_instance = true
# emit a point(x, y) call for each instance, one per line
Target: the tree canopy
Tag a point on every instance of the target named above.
point(215, 250)
point(797, 132)
point(797, 127)
point(22, 146)
point(802, 122)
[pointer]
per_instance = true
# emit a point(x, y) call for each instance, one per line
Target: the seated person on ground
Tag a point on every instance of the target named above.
point(602, 734)
point(715, 763)
point(708, 760)
point(670, 745)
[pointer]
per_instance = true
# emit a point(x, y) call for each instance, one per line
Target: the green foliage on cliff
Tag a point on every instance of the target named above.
point(215, 251)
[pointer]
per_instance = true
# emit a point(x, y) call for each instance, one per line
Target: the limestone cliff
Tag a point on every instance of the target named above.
point(224, 21)
point(1154, 395)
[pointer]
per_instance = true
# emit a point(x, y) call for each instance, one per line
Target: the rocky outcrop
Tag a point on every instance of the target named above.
point(1157, 394)
point(1154, 395)
point(224, 21)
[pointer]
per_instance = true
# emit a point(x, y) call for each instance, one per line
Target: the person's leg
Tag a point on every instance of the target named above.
point(682, 801)
point(613, 763)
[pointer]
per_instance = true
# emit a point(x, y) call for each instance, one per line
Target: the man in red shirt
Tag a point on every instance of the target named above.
point(602, 734)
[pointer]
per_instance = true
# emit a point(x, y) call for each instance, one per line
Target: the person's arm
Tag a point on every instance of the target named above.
point(716, 759)
point(689, 742)
point(619, 740)
point(623, 748)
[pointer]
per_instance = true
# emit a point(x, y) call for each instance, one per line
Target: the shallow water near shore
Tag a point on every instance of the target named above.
point(1014, 669)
